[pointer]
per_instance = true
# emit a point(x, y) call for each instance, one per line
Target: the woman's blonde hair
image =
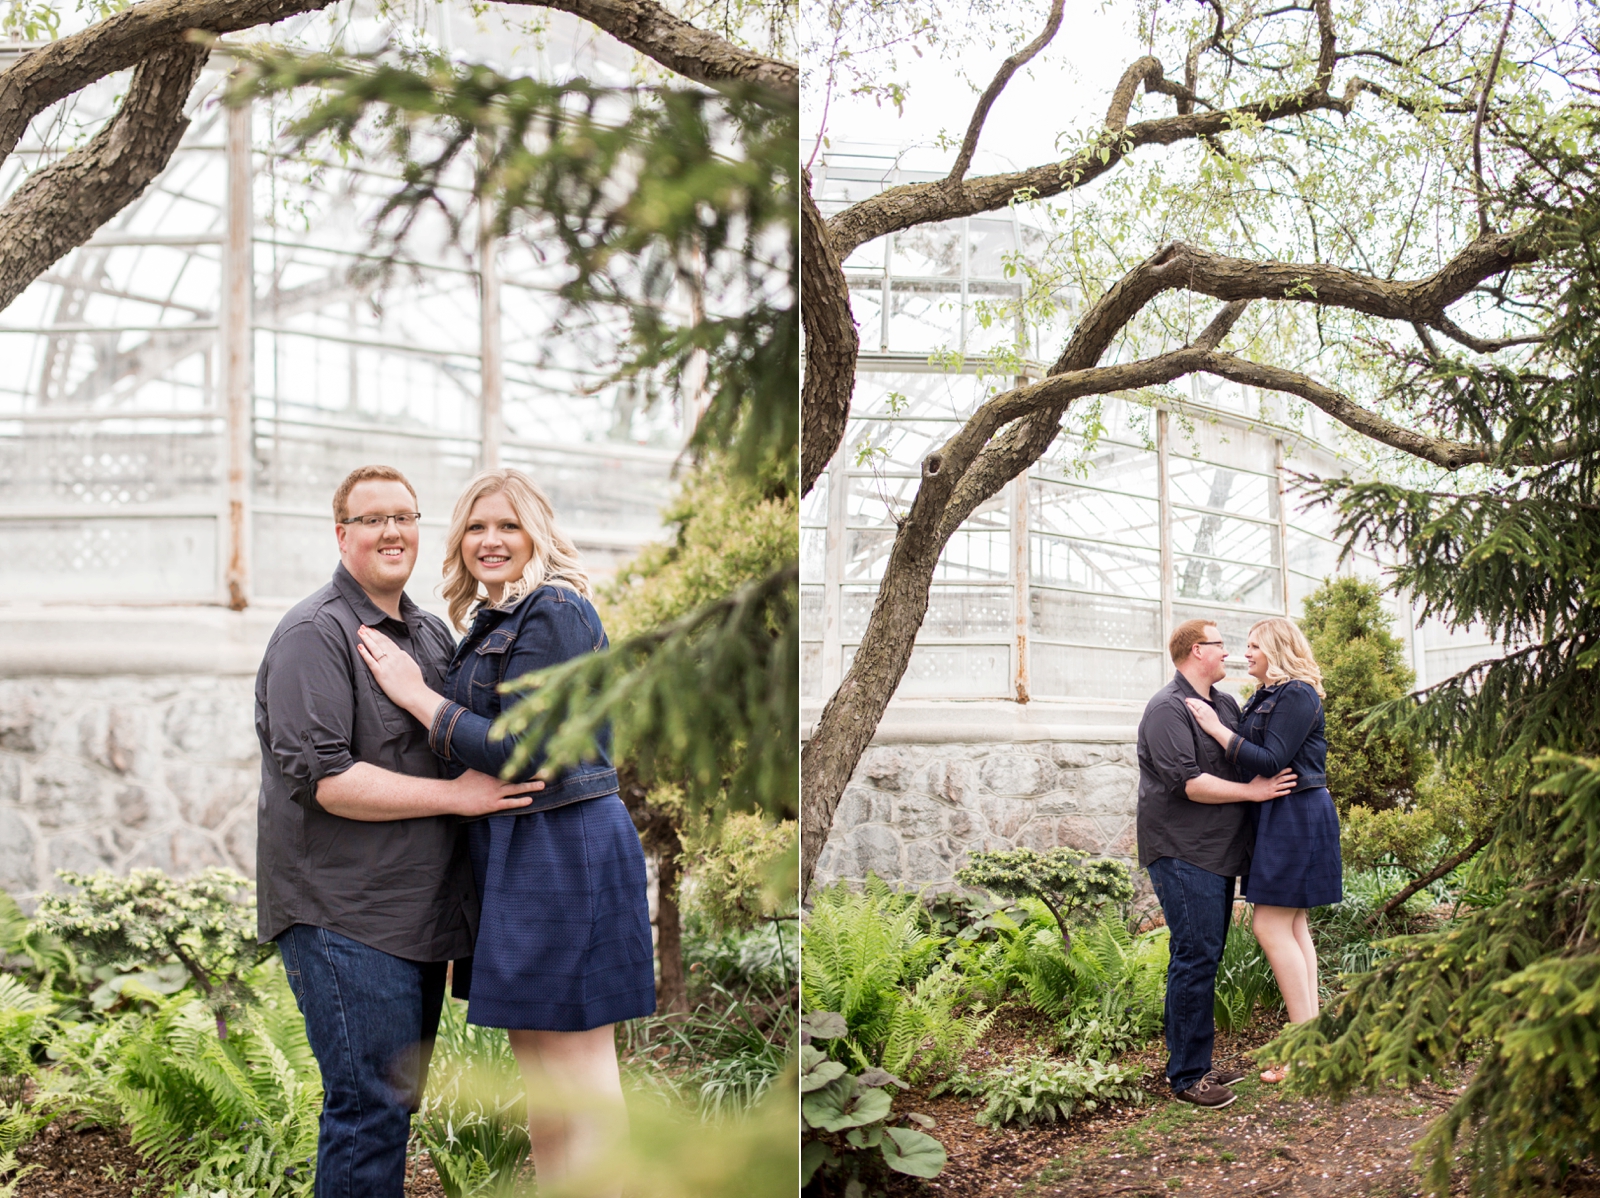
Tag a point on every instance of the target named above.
point(1288, 652)
point(555, 560)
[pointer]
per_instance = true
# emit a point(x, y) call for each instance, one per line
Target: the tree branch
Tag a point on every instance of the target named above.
point(1477, 123)
point(681, 47)
point(1427, 879)
point(922, 203)
point(61, 206)
point(1008, 68)
point(53, 72)
point(831, 343)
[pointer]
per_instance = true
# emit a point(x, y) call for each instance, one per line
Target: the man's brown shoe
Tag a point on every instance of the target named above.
point(1207, 1093)
point(1225, 1077)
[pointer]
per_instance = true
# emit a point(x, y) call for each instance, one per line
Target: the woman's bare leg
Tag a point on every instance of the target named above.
point(574, 1100)
point(1274, 929)
point(1302, 934)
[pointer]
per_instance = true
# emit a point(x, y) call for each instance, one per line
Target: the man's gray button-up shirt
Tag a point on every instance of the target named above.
point(401, 886)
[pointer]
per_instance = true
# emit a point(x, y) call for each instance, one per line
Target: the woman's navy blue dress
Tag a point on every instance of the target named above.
point(564, 938)
point(1295, 862)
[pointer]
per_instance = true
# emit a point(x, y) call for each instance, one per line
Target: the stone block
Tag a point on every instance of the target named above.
point(17, 873)
point(210, 726)
point(954, 780)
point(965, 825)
point(207, 795)
point(22, 728)
point(81, 851)
point(930, 860)
point(65, 792)
point(875, 849)
point(10, 781)
point(1125, 842)
point(1103, 789)
point(1058, 802)
point(240, 841)
point(1006, 817)
point(916, 817)
point(114, 737)
point(193, 851)
point(132, 807)
point(1069, 755)
point(887, 769)
point(862, 805)
point(1013, 772)
point(1073, 831)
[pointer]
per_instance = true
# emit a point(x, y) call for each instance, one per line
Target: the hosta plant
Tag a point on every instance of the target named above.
point(850, 1131)
point(1043, 1089)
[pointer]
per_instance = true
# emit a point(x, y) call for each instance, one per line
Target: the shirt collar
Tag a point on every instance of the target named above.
point(368, 612)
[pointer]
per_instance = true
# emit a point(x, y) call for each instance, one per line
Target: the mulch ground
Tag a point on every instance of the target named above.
point(1267, 1143)
point(97, 1163)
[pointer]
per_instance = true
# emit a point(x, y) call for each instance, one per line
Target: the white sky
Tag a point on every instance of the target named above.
point(1063, 90)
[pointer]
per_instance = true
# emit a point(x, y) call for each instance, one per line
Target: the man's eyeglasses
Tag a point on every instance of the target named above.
point(401, 520)
point(1218, 644)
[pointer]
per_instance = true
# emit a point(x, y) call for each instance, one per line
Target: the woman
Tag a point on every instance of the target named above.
point(563, 949)
point(1295, 863)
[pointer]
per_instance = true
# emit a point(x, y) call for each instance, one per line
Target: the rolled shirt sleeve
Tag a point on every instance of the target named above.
point(1290, 723)
point(1171, 744)
point(312, 708)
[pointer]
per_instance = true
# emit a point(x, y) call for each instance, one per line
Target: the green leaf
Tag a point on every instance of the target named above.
point(841, 1104)
point(816, 1070)
point(913, 1152)
point(824, 1025)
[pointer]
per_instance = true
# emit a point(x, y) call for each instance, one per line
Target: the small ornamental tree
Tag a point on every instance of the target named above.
point(1396, 805)
point(1363, 664)
point(1064, 880)
point(206, 923)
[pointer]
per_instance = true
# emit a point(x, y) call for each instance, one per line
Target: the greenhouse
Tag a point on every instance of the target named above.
point(1051, 605)
point(182, 394)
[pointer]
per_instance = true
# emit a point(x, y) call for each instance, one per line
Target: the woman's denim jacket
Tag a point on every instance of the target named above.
point(545, 627)
point(1282, 726)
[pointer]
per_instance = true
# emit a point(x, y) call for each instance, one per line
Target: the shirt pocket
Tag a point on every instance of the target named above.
point(488, 670)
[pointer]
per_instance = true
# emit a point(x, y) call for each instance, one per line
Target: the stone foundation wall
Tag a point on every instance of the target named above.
point(122, 772)
point(912, 812)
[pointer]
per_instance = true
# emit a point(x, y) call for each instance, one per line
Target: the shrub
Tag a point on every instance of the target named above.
point(205, 923)
point(1042, 1089)
point(1065, 880)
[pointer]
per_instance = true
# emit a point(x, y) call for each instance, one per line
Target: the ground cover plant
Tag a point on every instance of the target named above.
point(101, 1026)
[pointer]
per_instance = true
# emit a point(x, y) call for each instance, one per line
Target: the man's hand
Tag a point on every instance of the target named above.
point(479, 794)
point(1261, 789)
point(370, 793)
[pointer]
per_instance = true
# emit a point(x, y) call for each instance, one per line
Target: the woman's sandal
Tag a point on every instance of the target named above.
point(1273, 1076)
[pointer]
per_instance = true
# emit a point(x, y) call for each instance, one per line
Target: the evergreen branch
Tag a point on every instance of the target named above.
point(705, 694)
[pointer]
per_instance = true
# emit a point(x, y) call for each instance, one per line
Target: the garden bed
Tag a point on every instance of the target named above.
point(97, 1163)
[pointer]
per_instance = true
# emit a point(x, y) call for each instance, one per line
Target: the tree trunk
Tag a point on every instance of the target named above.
point(672, 992)
point(831, 343)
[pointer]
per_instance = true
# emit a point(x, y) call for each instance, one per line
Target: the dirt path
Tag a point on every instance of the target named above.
point(1267, 1143)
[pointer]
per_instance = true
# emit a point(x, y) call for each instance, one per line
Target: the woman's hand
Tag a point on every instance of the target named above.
point(1206, 717)
point(398, 674)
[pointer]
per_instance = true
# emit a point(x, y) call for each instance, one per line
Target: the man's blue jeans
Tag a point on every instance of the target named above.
point(371, 1019)
point(1197, 904)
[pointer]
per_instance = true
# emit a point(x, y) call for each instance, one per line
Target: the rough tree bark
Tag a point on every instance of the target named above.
point(681, 47)
point(1012, 430)
point(660, 838)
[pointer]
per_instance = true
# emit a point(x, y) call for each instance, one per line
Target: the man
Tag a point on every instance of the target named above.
point(1194, 837)
point(363, 880)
